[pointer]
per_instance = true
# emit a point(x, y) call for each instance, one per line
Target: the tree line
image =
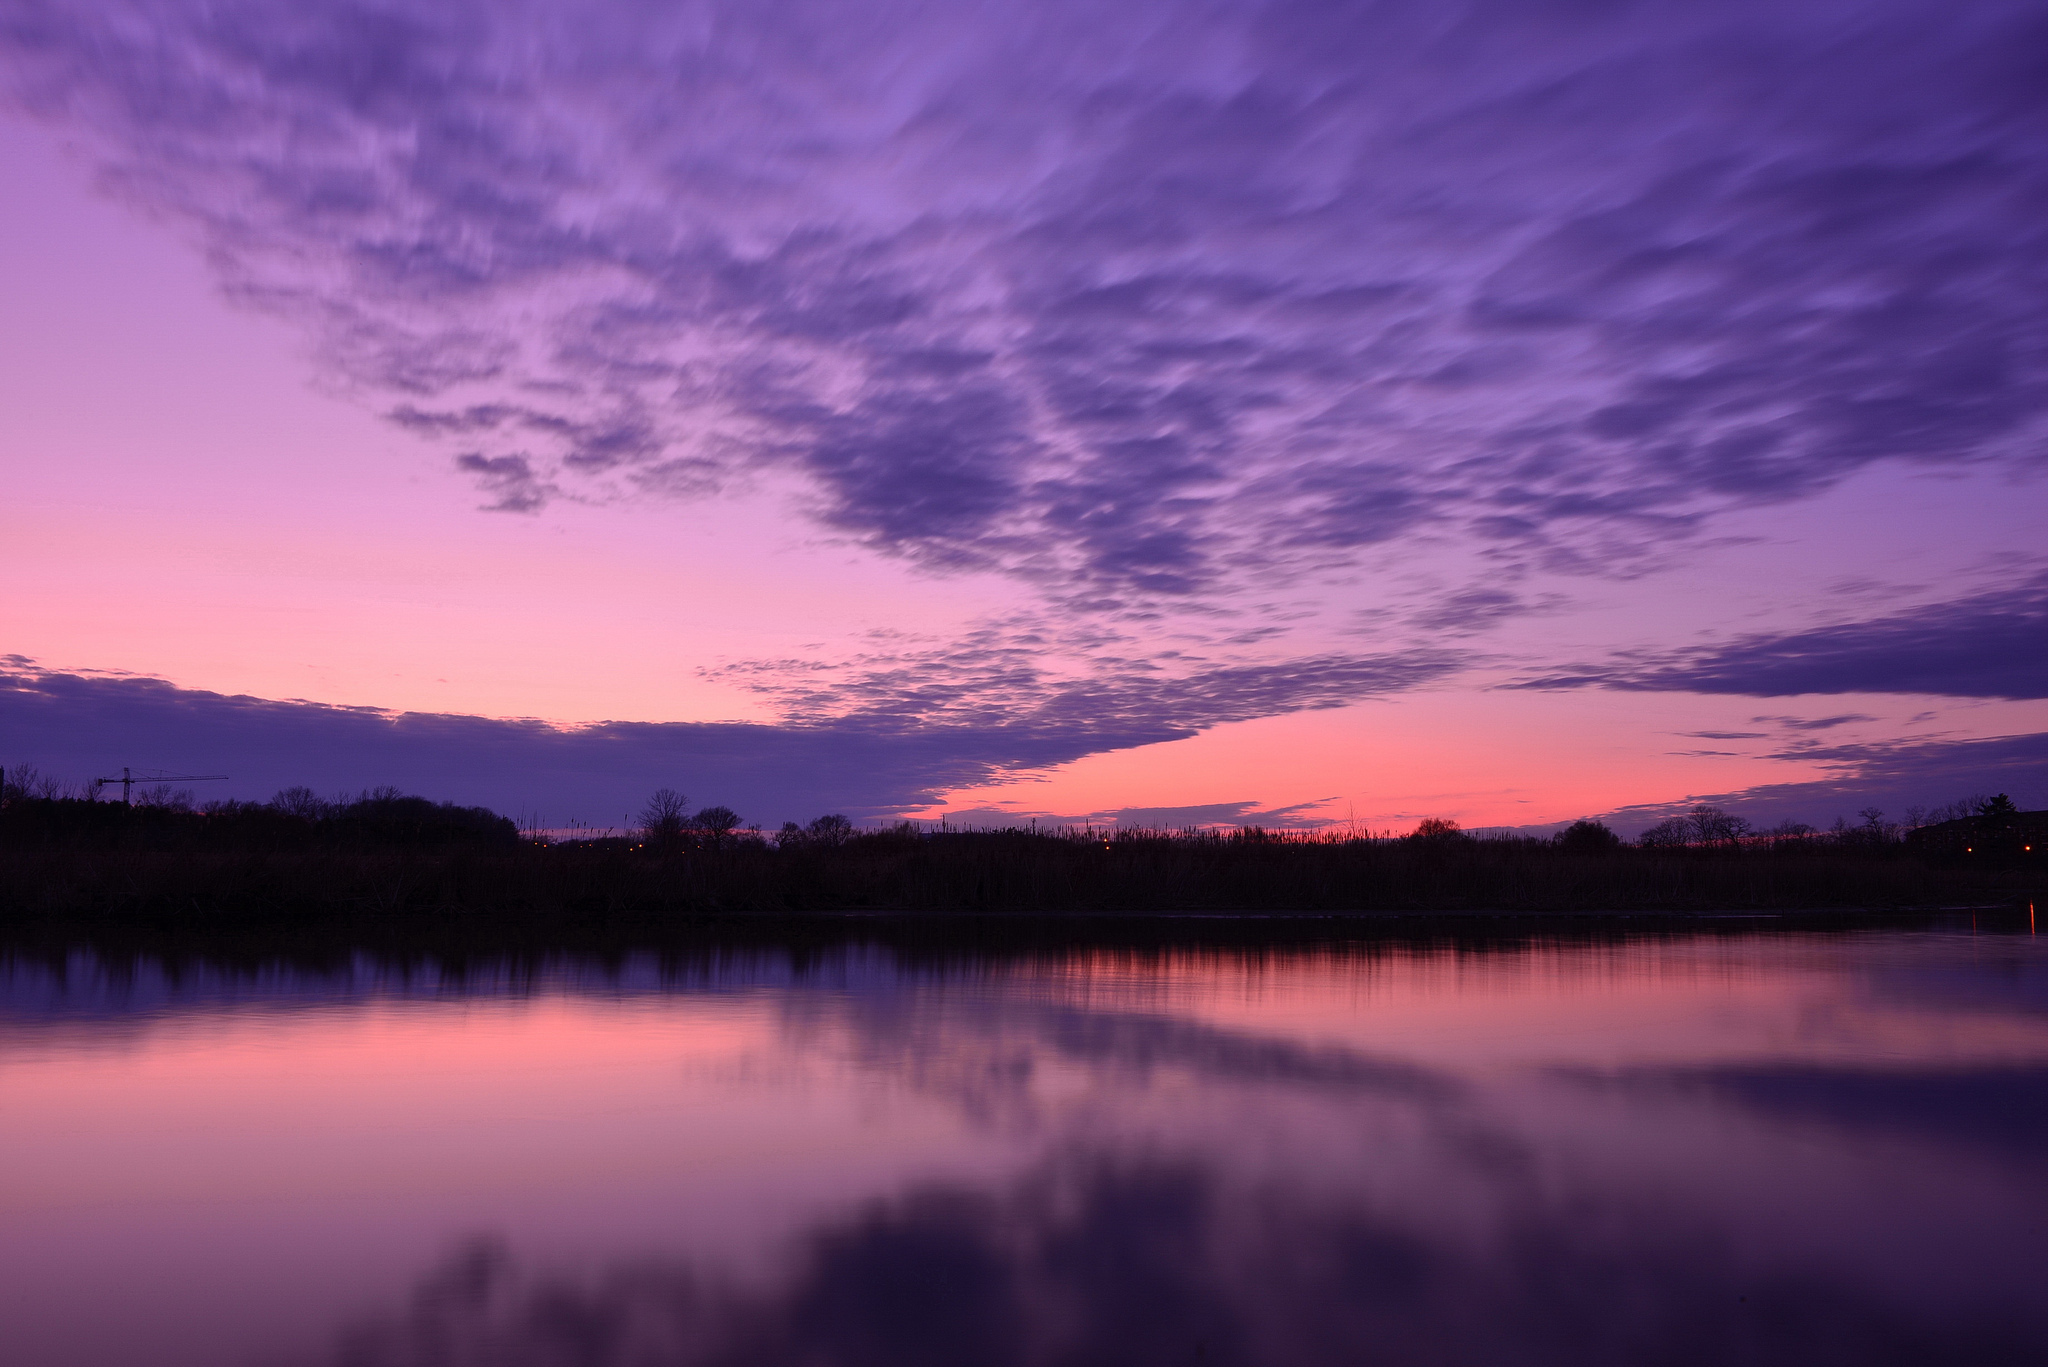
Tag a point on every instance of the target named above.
point(666, 824)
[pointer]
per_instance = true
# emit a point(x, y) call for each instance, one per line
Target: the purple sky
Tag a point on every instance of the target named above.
point(1507, 411)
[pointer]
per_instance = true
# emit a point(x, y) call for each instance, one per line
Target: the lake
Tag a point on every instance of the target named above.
point(1733, 1145)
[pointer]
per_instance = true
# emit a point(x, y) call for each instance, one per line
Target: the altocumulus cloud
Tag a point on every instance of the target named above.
point(1140, 301)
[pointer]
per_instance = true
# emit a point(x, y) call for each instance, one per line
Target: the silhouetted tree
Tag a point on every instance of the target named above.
point(830, 831)
point(1712, 826)
point(1997, 808)
point(664, 818)
point(1673, 832)
point(1587, 837)
point(1953, 811)
point(718, 824)
point(24, 782)
point(301, 802)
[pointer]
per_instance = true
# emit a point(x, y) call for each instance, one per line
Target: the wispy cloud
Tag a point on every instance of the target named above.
point(1817, 723)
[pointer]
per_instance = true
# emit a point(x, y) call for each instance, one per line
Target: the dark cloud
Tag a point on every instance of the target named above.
point(1139, 301)
point(889, 740)
point(1200, 815)
point(1992, 645)
point(1817, 723)
point(1472, 610)
point(1891, 775)
point(510, 479)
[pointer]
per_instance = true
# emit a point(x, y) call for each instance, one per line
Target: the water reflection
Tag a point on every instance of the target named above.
point(1762, 1148)
point(1100, 1259)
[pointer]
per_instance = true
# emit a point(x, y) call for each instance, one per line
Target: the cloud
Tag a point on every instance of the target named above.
point(1201, 816)
point(1891, 775)
point(510, 479)
point(1817, 723)
point(889, 742)
point(1991, 645)
point(1475, 609)
point(1137, 302)
point(1007, 675)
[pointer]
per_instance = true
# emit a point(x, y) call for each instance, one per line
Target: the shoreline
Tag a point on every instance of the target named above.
point(453, 941)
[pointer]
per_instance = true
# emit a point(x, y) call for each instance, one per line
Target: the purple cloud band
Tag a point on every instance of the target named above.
point(887, 757)
point(1990, 645)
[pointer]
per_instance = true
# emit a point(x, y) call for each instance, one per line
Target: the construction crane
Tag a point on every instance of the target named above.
point(128, 781)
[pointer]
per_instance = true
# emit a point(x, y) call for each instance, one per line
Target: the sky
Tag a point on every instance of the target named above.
point(1195, 413)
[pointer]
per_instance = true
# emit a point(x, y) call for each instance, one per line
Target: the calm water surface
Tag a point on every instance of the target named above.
point(1737, 1148)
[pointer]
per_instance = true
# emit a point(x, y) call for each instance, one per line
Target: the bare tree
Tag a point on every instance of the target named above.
point(664, 818)
point(1712, 826)
point(1668, 834)
point(1953, 811)
point(17, 782)
point(22, 782)
point(300, 802)
point(165, 796)
point(830, 831)
point(717, 823)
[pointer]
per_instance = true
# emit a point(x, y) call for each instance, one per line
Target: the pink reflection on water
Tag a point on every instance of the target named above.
point(228, 1169)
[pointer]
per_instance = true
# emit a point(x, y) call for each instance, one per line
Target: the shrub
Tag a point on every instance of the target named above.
point(1586, 837)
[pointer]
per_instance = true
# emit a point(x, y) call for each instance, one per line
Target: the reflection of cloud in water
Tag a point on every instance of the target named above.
point(1139, 1250)
point(2004, 1110)
point(985, 1054)
point(1094, 1258)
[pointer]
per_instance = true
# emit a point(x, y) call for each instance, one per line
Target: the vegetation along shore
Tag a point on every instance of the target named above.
point(386, 856)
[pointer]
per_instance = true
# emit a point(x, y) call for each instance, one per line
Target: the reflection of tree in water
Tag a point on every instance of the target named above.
point(1089, 1261)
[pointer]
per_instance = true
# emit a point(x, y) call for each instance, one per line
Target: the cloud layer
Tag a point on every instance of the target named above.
point(1139, 302)
point(1890, 775)
point(1990, 645)
point(901, 752)
point(870, 764)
